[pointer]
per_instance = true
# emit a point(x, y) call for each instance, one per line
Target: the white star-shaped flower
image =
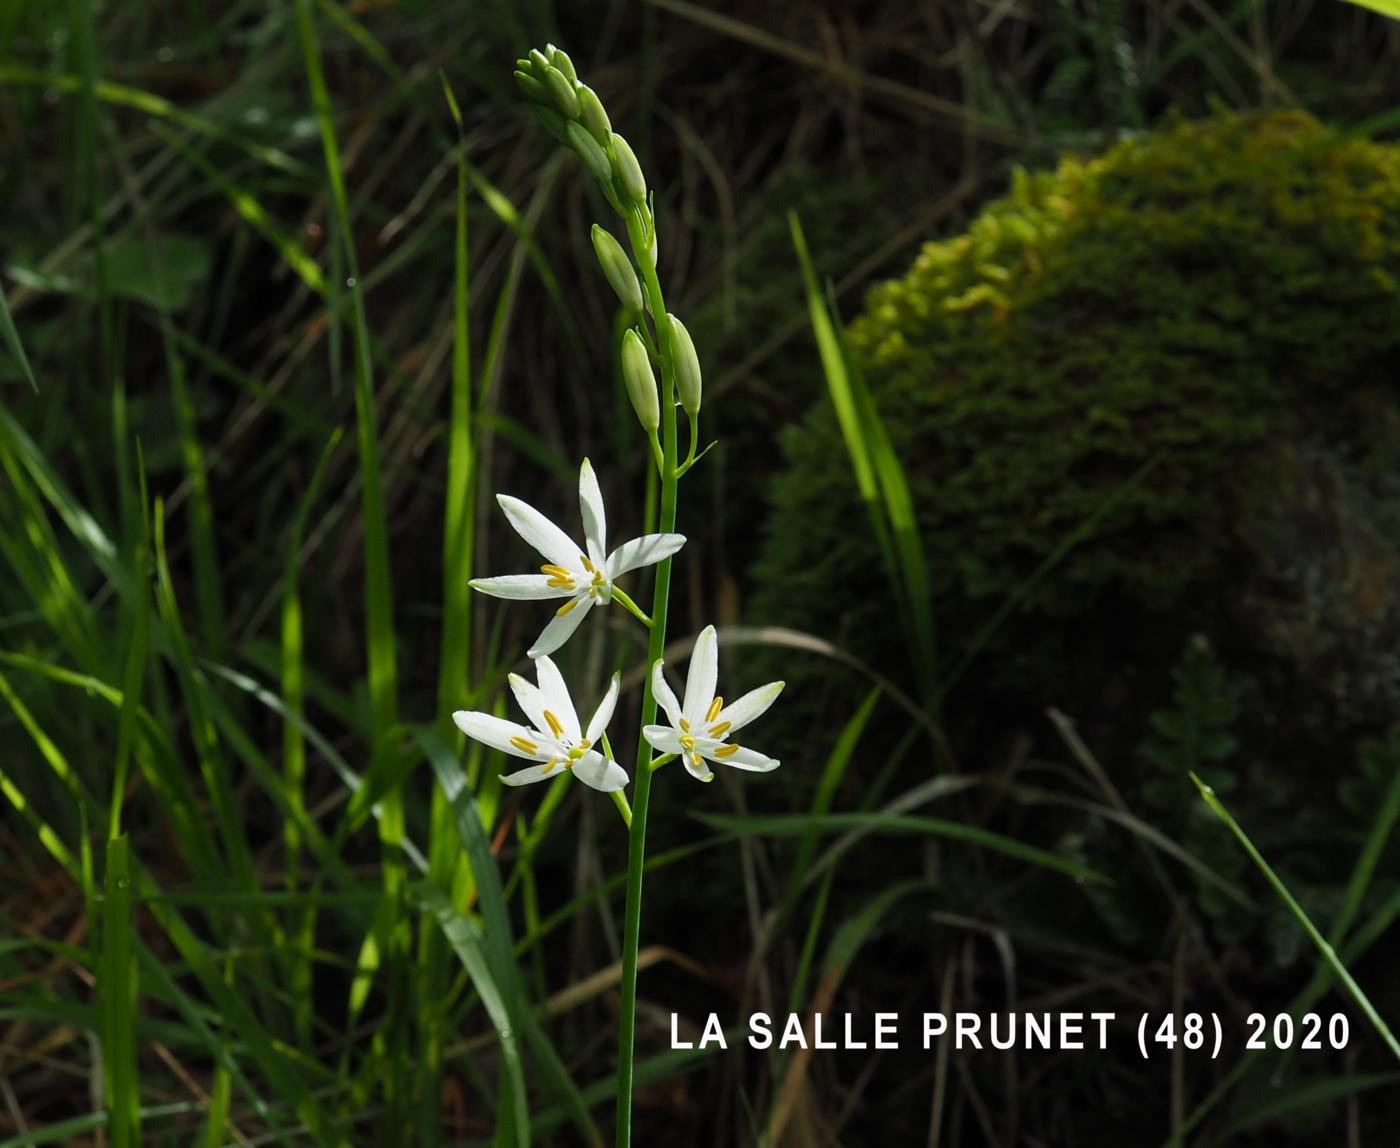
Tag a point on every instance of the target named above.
point(582, 574)
point(554, 739)
point(700, 728)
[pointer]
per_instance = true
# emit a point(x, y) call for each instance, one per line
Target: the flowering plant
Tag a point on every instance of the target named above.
point(699, 729)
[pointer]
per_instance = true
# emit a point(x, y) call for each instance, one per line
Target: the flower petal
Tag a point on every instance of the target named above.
point(497, 732)
point(662, 738)
point(701, 677)
point(560, 628)
point(533, 773)
point(753, 704)
point(696, 767)
point(555, 694)
point(531, 701)
point(602, 774)
point(742, 758)
point(539, 532)
point(595, 525)
point(663, 695)
point(647, 550)
point(598, 723)
point(519, 586)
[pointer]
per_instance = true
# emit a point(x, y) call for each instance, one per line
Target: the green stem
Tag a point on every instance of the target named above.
point(657, 763)
point(641, 797)
point(620, 800)
point(631, 606)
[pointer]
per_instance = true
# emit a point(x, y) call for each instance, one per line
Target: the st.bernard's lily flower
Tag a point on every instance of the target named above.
point(582, 574)
point(554, 739)
point(701, 727)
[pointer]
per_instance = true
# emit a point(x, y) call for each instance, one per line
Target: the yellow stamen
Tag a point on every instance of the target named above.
point(721, 729)
point(556, 571)
point(715, 707)
point(566, 607)
point(555, 726)
point(687, 742)
point(685, 726)
point(576, 753)
point(587, 565)
point(726, 751)
point(524, 745)
point(561, 583)
point(550, 764)
point(695, 760)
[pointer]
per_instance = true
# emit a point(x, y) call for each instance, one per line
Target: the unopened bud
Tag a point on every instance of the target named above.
point(641, 382)
point(560, 59)
point(593, 114)
point(539, 61)
point(590, 150)
point(628, 171)
point(618, 268)
point(558, 126)
point(531, 86)
point(561, 91)
point(687, 366)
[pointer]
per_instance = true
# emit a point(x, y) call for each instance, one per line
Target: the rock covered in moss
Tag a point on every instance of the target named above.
point(1220, 296)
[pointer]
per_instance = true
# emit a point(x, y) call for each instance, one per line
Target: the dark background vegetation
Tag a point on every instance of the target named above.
point(151, 239)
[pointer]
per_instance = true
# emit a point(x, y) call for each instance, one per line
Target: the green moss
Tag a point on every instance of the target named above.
point(1203, 292)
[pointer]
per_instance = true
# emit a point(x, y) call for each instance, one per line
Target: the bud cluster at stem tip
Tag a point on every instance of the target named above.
point(574, 114)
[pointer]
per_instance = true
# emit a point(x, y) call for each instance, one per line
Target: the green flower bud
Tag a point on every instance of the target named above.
point(539, 62)
point(628, 171)
point(618, 268)
point(554, 122)
point(531, 86)
point(641, 382)
point(593, 114)
point(561, 92)
point(588, 148)
point(560, 59)
point(687, 365)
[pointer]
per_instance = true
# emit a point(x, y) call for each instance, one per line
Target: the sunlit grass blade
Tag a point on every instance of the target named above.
point(879, 474)
point(119, 996)
point(302, 935)
point(1328, 953)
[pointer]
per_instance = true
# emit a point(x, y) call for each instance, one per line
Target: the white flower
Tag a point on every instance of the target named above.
point(554, 739)
point(701, 727)
point(582, 574)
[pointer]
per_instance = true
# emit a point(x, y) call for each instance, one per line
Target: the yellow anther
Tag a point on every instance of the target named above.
point(524, 745)
point(550, 764)
point(566, 607)
point(561, 582)
point(726, 751)
point(587, 565)
point(687, 742)
point(695, 760)
point(576, 753)
point(556, 571)
point(721, 729)
point(556, 727)
point(685, 726)
point(715, 707)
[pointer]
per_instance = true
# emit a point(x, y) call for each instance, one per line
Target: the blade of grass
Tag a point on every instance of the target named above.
point(294, 744)
point(10, 334)
point(119, 997)
point(801, 824)
point(379, 602)
point(1329, 954)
